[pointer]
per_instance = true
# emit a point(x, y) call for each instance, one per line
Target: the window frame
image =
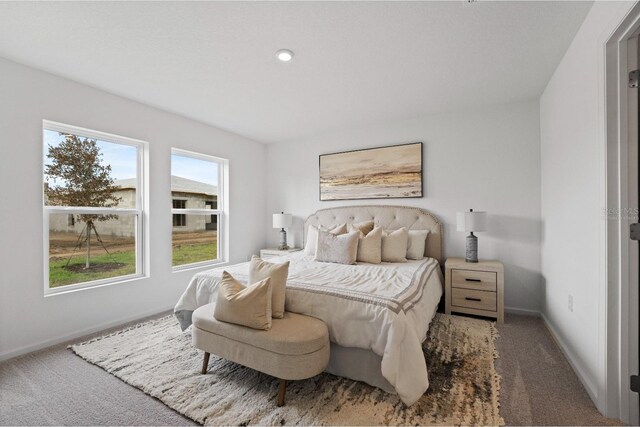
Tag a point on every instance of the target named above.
point(139, 211)
point(220, 212)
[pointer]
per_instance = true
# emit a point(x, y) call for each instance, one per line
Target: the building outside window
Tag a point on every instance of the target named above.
point(197, 199)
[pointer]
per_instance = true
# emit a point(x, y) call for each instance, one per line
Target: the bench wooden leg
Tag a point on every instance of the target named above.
point(205, 363)
point(281, 390)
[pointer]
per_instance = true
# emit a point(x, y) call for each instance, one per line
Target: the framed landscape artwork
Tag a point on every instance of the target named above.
point(376, 173)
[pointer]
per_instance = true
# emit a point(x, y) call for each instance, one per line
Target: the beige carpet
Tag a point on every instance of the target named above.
point(538, 385)
point(160, 360)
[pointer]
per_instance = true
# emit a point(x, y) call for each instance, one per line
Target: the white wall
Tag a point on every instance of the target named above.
point(573, 165)
point(27, 96)
point(485, 159)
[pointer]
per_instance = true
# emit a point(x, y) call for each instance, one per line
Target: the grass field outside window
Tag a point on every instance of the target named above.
point(66, 263)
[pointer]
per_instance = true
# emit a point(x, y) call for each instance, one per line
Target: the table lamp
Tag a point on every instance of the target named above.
point(471, 222)
point(282, 221)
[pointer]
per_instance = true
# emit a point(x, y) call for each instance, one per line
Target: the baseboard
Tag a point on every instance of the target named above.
point(78, 334)
point(522, 311)
point(572, 359)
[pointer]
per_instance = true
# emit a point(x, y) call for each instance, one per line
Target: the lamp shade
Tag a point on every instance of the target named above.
point(471, 221)
point(282, 220)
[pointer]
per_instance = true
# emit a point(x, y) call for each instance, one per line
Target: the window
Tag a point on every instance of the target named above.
point(197, 193)
point(179, 220)
point(93, 208)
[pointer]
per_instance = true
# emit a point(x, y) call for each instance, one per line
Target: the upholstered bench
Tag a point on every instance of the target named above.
point(295, 348)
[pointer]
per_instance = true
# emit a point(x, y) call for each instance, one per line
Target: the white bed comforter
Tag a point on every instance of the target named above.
point(385, 308)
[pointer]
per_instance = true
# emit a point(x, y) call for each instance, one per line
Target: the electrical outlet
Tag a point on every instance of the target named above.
point(570, 303)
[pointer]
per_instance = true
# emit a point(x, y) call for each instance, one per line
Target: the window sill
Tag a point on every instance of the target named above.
point(62, 290)
point(199, 265)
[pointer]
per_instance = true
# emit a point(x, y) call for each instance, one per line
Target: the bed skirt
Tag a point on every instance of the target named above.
point(358, 364)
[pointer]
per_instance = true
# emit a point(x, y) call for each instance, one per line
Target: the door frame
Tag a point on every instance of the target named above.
point(619, 307)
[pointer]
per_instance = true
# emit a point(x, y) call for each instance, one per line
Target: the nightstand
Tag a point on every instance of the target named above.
point(270, 253)
point(474, 288)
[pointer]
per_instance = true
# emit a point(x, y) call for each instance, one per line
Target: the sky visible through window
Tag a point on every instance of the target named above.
point(194, 169)
point(122, 158)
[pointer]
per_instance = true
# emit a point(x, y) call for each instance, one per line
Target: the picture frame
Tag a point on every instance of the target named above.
point(388, 172)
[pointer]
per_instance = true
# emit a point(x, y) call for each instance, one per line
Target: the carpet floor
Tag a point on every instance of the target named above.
point(55, 387)
point(160, 360)
point(539, 387)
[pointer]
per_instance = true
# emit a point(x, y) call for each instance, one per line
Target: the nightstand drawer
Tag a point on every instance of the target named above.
point(469, 298)
point(475, 280)
point(476, 289)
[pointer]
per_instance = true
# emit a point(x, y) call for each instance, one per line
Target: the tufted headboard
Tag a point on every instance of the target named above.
point(389, 217)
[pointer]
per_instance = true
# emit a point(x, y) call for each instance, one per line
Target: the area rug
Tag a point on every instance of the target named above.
point(160, 360)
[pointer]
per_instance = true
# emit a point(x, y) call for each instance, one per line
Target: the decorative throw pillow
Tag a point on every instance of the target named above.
point(244, 305)
point(278, 273)
point(312, 240)
point(312, 236)
point(364, 227)
point(416, 243)
point(342, 249)
point(394, 245)
point(370, 246)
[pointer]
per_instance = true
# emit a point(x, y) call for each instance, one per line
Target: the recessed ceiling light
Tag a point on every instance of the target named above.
point(284, 55)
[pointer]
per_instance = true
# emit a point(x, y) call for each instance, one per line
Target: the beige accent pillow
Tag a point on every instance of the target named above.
point(341, 249)
point(337, 230)
point(247, 306)
point(364, 227)
point(312, 236)
point(416, 243)
point(394, 245)
point(370, 246)
point(278, 273)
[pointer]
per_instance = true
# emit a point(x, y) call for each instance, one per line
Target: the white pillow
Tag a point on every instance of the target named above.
point(416, 243)
point(341, 249)
point(312, 240)
point(312, 236)
point(394, 245)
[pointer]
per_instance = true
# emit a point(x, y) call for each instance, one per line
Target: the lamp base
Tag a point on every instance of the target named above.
point(283, 241)
point(471, 254)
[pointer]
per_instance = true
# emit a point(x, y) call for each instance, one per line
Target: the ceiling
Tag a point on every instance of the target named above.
point(355, 63)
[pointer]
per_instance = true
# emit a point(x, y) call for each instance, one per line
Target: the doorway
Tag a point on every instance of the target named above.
point(631, 216)
point(621, 297)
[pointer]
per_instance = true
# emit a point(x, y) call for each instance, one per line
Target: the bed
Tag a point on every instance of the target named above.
point(378, 315)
